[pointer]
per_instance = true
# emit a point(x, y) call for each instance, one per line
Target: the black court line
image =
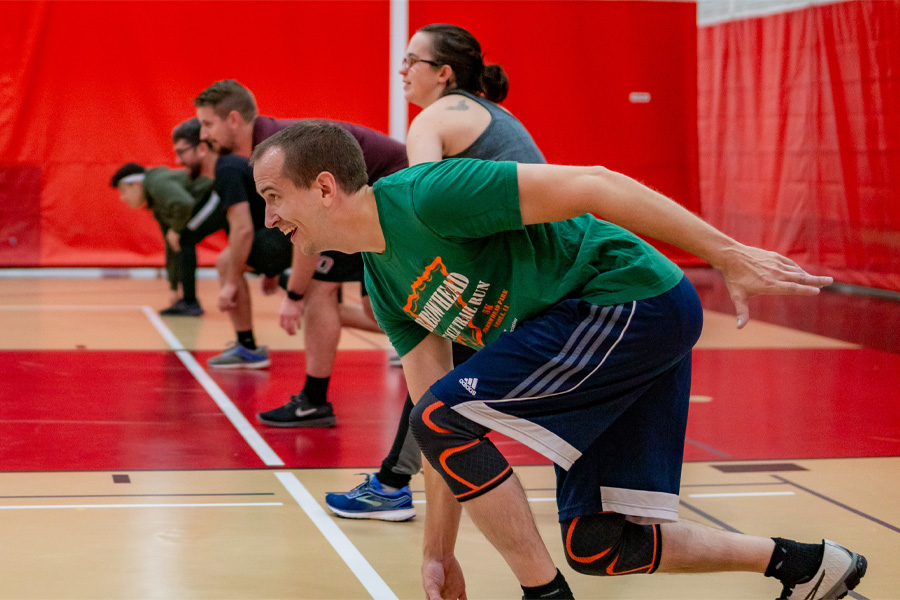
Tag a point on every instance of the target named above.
point(758, 468)
point(708, 516)
point(135, 495)
point(707, 448)
point(855, 511)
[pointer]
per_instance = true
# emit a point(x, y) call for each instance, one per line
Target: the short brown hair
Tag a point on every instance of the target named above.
point(312, 146)
point(227, 95)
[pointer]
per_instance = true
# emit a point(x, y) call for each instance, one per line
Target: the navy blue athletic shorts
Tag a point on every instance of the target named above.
point(602, 391)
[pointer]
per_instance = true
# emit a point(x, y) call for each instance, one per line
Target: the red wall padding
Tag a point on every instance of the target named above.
point(572, 66)
point(799, 127)
point(87, 86)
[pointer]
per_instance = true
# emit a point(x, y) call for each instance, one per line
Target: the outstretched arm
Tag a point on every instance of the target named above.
point(554, 193)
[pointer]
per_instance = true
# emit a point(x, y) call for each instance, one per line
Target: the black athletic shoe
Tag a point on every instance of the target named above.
point(182, 309)
point(299, 413)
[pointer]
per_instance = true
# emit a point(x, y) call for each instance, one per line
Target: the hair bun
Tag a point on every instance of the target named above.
point(495, 83)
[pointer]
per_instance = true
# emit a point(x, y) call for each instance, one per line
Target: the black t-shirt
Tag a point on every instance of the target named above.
point(234, 184)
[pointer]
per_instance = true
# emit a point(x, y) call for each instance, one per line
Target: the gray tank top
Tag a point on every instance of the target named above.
point(504, 139)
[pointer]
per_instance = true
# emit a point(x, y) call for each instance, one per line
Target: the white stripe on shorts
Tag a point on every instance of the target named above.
point(641, 506)
point(204, 212)
point(543, 441)
point(570, 361)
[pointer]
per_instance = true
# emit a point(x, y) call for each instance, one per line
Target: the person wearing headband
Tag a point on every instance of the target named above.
point(171, 195)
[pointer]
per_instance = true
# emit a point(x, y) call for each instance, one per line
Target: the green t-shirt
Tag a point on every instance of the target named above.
point(459, 263)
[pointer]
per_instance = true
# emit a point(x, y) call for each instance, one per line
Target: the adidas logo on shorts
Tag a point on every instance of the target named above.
point(469, 383)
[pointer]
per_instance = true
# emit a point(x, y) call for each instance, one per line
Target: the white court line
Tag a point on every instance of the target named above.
point(94, 273)
point(238, 420)
point(370, 578)
point(69, 307)
point(250, 435)
point(740, 494)
point(202, 505)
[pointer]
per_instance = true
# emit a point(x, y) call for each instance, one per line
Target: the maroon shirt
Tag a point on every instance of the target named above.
point(383, 155)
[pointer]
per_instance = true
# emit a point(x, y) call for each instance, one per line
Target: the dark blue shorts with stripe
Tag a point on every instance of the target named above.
point(602, 391)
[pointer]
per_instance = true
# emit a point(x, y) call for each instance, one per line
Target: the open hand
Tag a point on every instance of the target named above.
point(750, 271)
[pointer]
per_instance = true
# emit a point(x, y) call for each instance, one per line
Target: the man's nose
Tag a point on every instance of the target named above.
point(271, 217)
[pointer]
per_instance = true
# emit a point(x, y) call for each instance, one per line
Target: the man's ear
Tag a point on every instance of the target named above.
point(234, 119)
point(327, 185)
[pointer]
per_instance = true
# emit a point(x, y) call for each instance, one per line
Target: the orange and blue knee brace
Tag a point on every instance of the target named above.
point(457, 448)
point(608, 544)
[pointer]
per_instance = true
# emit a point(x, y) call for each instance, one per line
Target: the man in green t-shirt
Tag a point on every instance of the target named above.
point(584, 334)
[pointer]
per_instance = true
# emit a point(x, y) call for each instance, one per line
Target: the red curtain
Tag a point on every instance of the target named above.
point(799, 129)
point(86, 86)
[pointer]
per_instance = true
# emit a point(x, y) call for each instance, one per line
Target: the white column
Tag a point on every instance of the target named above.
point(399, 33)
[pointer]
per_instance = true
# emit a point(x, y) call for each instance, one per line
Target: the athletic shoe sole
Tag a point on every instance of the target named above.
point(320, 422)
point(254, 365)
point(381, 515)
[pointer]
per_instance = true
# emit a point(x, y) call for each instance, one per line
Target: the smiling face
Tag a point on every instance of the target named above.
point(423, 83)
point(295, 211)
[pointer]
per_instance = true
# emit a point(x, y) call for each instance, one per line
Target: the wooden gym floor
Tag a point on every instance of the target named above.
point(132, 471)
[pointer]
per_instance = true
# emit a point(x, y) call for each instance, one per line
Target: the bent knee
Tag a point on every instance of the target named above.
point(457, 448)
point(607, 544)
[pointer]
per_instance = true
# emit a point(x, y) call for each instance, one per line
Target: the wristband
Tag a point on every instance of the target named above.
point(294, 296)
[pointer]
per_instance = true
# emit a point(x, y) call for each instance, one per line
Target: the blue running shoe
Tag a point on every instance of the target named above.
point(238, 357)
point(368, 500)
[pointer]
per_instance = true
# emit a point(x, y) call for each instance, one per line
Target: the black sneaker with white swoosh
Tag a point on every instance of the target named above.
point(299, 412)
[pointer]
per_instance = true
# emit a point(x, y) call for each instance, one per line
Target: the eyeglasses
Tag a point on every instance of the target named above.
point(409, 60)
point(180, 151)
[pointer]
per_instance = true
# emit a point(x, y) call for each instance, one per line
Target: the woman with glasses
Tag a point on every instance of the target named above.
point(443, 73)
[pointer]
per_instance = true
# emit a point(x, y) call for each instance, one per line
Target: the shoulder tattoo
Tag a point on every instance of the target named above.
point(462, 105)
